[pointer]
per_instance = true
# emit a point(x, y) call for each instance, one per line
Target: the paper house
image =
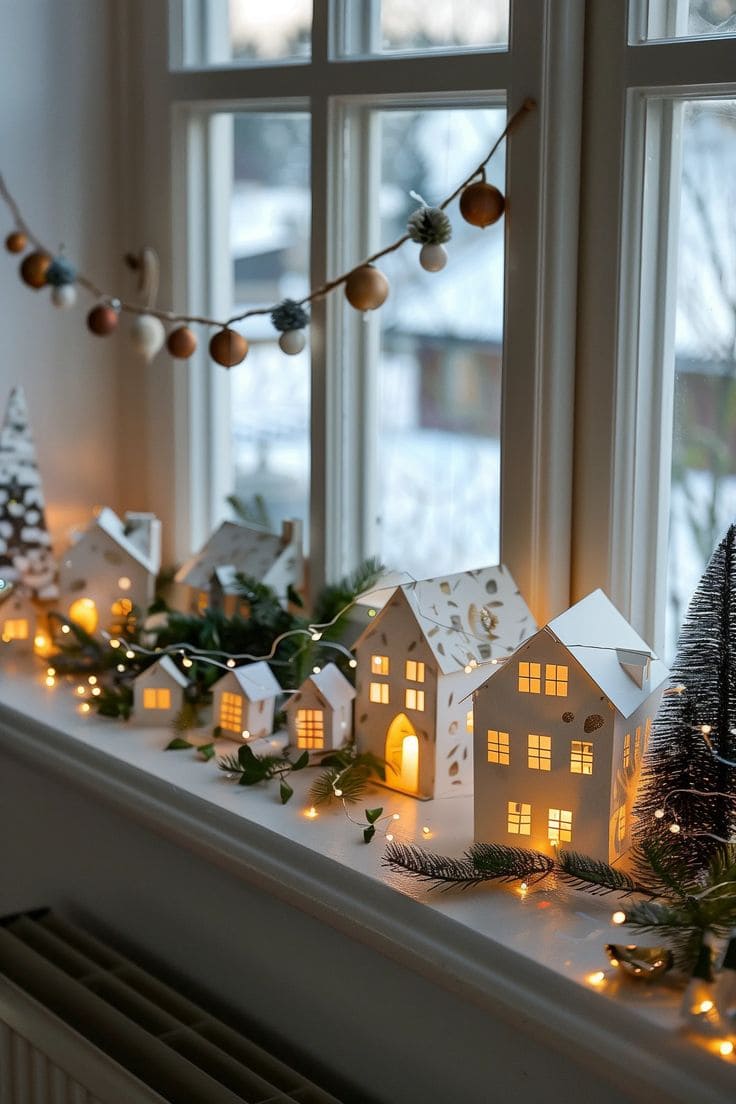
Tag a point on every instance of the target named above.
point(111, 567)
point(275, 561)
point(320, 714)
point(159, 693)
point(560, 730)
point(18, 617)
point(419, 660)
point(243, 702)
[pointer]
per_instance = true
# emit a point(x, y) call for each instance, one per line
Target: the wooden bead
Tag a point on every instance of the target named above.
point(181, 343)
point(366, 288)
point(16, 242)
point(102, 319)
point(481, 204)
point(228, 348)
point(33, 269)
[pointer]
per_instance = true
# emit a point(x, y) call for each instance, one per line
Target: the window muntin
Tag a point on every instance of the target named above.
point(498, 747)
point(539, 752)
point(414, 670)
point(530, 678)
point(379, 665)
point(378, 692)
point(156, 697)
point(310, 729)
point(559, 826)
point(555, 679)
point(581, 757)
point(519, 819)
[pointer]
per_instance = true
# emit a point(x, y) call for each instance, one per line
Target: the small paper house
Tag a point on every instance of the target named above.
point(159, 693)
point(560, 731)
point(275, 561)
point(111, 567)
point(243, 702)
point(422, 655)
point(320, 714)
point(18, 617)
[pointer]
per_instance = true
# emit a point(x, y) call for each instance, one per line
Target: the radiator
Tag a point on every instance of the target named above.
point(82, 1024)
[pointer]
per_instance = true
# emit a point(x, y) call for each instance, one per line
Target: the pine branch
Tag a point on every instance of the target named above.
point(426, 866)
point(595, 877)
point(348, 771)
point(665, 867)
point(509, 863)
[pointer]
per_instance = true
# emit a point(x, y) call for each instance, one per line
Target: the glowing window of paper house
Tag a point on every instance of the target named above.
point(498, 747)
point(156, 698)
point(415, 699)
point(378, 692)
point(469, 721)
point(581, 757)
point(310, 729)
point(122, 607)
point(530, 678)
point(627, 751)
point(620, 823)
point(637, 744)
point(540, 752)
point(555, 680)
point(559, 826)
point(15, 630)
point(414, 671)
point(84, 613)
point(379, 665)
point(519, 819)
point(231, 712)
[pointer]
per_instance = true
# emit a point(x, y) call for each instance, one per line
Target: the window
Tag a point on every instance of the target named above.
point(519, 819)
point(498, 747)
point(379, 665)
point(559, 826)
point(379, 692)
point(540, 753)
point(555, 680)
point(414, 671)
point(621, 823)
point(647, 731)
point(415, 699)
point(469, 721)
point(627, 751)
point(581, 757)
point(231, 712)
point(156, 697)
point(530, 678)
point(16, 629)
point(637, 744)
point(310, 733)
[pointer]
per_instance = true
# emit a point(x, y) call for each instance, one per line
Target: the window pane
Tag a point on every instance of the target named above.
point(241, 32)
point(439, 378)
point(704, 441)
point(444, 24)
point(269, 240)
point(687, 18)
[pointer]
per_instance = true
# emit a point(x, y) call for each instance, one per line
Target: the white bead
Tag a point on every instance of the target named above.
point(64, 296)
point(147, 335)
point(433, 258)
point(292, 342)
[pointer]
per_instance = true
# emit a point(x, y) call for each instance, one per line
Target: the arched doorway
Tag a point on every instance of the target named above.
point(402, 754)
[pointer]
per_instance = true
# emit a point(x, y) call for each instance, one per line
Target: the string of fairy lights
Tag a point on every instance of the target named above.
point(366, 288)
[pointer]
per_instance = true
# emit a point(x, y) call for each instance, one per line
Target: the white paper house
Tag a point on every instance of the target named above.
point(276, 561)
point(18, 617)
point(243, 702)
point(111, 567)
point(159, 693)
point(320, 714)
point(423, 654)
point(560, 731)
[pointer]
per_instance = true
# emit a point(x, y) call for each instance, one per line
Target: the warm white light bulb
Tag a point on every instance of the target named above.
point(316, 636)
point(706, 729)
point(186, 662)
point(65, 629)
point(353, 663)
point(114, 643)
point(675, 829)
point(129, 654)
point(231, 663)
point(81, 690)
point(426, 830)
point(316, 670)
point(338, 793)
point(389, 837)
point(92, 680)
point(468, 668)
point(659, 813)
point(726, 1048)
point(618, 917)
point(597, 978)
point(705, 1006)
point(396, 816)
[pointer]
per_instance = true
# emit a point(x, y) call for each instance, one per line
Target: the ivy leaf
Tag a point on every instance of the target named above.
point(372, 815)
point(285, 791)
point(178, 744)
point(246, 758)
point(207, 751)
point(301, 762)
point(369, 833)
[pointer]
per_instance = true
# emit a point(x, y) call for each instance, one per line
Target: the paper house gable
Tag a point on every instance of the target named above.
point(243, 702)
point(275, 561)
point(419, 660)
point(560, 731)
point(320, 713)
point(18, 617)
point(159, 693)
point(111, 567)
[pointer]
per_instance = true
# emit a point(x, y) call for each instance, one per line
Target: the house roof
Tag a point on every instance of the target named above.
point(167, 665)
point(257, 681)
point(109, 522)
point(594, 631)
point(473, 616)
point(332, 685)
point(243, 548)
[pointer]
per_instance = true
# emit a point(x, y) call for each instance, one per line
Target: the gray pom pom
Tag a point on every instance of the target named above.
point(289, 315)
point(60, 272)
point(429, 226)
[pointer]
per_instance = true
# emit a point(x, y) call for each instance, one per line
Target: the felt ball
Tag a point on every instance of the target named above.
point(65, 295)
point(292, 342)
point(366, 288)
point(181, 343)
point(33, 269)
point(228, 348)
point(147, 335)
point(481, 204)
point(102, 319)
point(16, 242)
point(433, 258)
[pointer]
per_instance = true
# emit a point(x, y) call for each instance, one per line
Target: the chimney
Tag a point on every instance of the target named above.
point(637, 665)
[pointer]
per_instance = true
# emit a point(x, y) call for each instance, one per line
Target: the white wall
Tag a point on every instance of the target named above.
point(59, 154)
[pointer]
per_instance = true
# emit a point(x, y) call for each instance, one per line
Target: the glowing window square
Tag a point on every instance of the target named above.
point(539, 755)
point(378, 692)
point(498, 747)
point(379, 665)
point(581, 757)
point(519, 819)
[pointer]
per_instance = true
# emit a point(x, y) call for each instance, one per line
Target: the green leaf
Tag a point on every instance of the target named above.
point(285, 791)
point(302, 762)
point(369, 833)
point(207, 751)
point(178, 744)
point(246, 757)
point(372, 815)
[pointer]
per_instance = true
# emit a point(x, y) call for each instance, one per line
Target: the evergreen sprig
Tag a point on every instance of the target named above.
point(596, 877)
point(348, 770)
point(483, 862)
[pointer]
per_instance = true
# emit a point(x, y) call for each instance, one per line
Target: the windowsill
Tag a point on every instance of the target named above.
point(486, 946)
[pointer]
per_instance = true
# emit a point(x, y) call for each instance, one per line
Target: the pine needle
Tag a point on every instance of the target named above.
point(595, 877)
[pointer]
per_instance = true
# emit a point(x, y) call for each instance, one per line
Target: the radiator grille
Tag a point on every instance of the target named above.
point(177, 1051)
